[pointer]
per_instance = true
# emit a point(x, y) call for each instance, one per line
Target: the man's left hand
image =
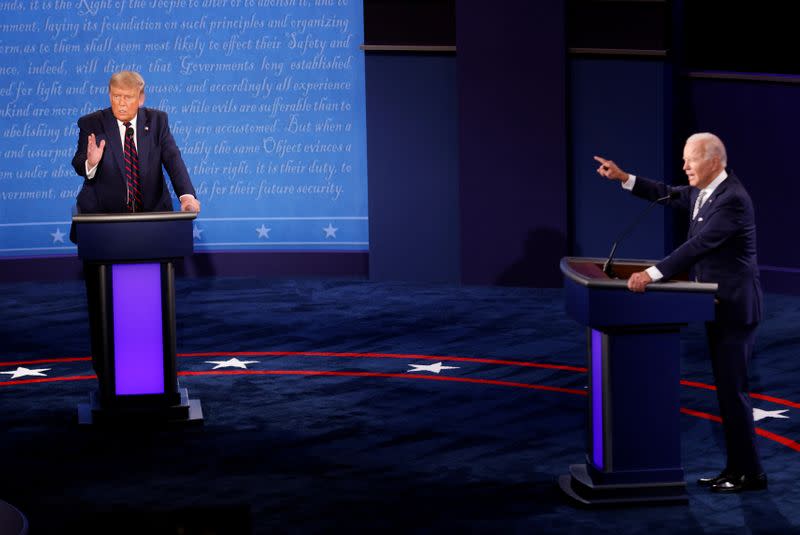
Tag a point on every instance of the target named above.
point(638, 281)
point(189, 204)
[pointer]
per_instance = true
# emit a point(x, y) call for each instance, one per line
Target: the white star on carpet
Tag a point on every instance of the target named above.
point(435, 368)
point(759, 414)
point(330, 231)
point(25, 372)
point(263, 232)
point(231, 363)
point(196, 232)
point(58, 236)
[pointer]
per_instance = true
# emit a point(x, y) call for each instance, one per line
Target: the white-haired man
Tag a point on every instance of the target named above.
point(721, 248)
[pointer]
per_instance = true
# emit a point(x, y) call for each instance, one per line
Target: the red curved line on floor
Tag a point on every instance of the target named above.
point(762, 432)
point(789, 443)
point(44, 361)
point(704, 415)
point(383, 355)
point(763, 397)
point(391, 376)
point(49, 380)
point(693, 384)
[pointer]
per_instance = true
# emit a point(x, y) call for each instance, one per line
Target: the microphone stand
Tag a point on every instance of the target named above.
point(608, 266)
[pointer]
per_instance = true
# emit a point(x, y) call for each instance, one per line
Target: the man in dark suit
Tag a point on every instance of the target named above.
point(720, 248)
point(105, 187)
point(121, 154)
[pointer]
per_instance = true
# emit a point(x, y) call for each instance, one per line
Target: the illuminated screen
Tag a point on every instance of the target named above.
point(265, 100)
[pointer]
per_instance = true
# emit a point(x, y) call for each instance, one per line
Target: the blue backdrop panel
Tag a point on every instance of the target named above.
point(266, 101)
point(618, 110)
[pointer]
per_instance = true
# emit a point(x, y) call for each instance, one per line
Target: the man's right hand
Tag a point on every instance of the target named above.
point(611, 170)
point(94, 152)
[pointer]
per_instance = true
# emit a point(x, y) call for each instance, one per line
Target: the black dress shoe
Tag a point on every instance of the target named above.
point(740, 483)
point(711, 481)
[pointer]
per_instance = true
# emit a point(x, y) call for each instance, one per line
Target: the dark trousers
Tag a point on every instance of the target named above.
point(731, 347)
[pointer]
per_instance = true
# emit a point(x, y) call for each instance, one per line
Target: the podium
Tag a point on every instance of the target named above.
point(130, 279)
point(633, 451)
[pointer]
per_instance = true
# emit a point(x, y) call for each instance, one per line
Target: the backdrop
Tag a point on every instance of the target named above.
point(265, 97)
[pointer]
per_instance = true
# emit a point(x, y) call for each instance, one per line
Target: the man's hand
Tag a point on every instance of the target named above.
point(610, 170)
point(94, 152)
point(638, 281)
point(189, 204)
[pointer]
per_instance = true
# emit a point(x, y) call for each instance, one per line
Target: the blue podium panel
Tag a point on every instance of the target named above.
point(635, 419)
point(633, 435)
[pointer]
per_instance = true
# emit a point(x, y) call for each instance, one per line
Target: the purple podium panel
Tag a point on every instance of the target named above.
point(597, 398)
point(138, 334)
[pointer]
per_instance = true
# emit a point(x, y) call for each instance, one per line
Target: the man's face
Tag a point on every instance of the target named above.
point(125, 102)
point(701, 171)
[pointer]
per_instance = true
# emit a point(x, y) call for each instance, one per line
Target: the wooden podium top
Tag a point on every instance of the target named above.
point(589, 272)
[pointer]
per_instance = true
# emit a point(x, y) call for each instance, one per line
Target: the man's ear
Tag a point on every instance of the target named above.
point(141, 99)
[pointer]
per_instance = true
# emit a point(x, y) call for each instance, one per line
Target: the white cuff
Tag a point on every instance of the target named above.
point(654, 273)
point(90, 172)
point(628, 184)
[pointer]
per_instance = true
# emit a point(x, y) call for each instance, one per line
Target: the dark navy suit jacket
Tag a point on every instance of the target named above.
point(107, 191)
point(720, 246)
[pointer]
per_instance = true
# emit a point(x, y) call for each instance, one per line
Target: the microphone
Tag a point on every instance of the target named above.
point(608, 268)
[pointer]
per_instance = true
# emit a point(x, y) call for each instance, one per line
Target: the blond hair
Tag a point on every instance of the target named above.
point(128, 79)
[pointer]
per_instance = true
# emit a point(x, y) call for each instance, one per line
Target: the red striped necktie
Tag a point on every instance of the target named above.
point(134, 200)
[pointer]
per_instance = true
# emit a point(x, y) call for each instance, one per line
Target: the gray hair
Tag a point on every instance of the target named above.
point(129, 79)
point(712, 146)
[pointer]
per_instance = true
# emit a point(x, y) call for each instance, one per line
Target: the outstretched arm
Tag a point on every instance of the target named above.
point(610, 170)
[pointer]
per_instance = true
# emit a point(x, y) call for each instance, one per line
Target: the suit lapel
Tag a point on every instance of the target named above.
point(708, 204)
point(143, 141)
point(113, 139)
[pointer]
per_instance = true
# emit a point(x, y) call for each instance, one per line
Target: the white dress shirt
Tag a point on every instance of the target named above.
point(653, 271)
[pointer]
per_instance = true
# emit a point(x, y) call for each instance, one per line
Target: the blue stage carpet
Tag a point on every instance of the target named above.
point(358, 406)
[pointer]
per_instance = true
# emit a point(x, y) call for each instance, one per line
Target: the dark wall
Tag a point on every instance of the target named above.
point(758, 122)
point(512, 142)
point(412, 154)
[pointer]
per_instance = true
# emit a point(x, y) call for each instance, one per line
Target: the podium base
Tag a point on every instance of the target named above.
point(579, 487)
point(187, 411)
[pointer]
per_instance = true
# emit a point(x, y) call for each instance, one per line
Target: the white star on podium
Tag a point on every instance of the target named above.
point(196, 231)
